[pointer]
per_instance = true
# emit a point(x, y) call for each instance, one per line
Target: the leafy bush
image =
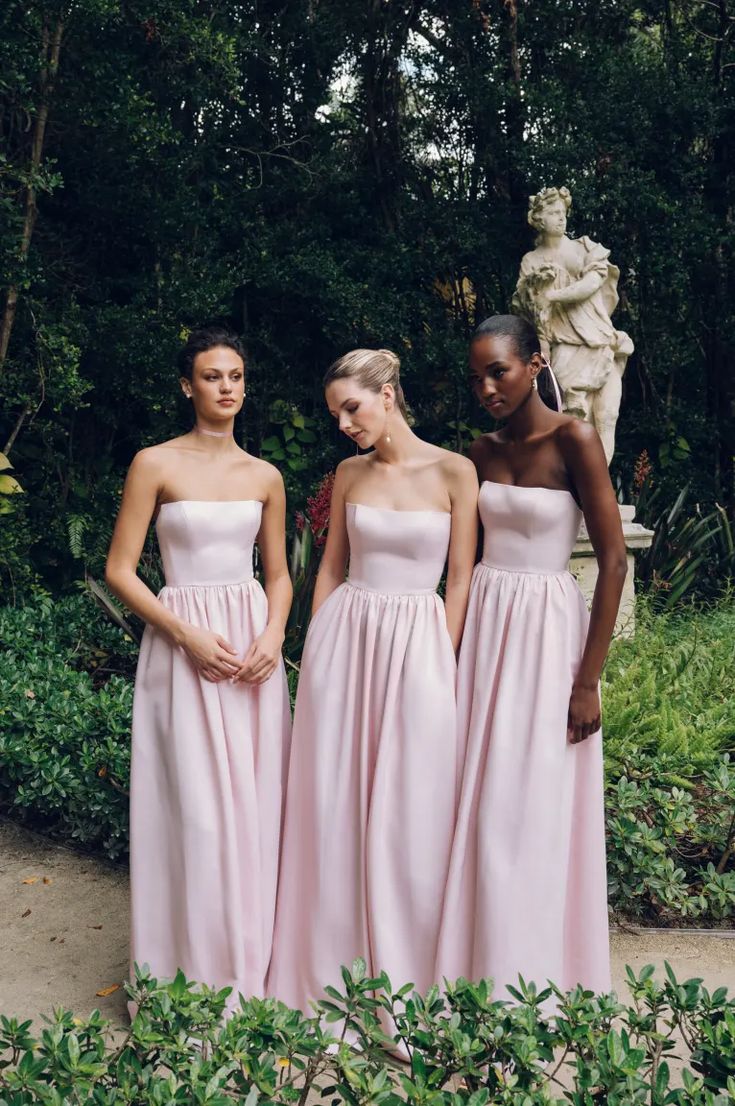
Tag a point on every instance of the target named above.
point(671, 847)
point(64, 731)
point(669, 697)
point(465, 1048)
point(670, 690)
point(669, 727)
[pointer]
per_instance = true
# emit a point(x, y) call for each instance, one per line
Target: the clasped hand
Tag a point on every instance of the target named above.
point(216, 659)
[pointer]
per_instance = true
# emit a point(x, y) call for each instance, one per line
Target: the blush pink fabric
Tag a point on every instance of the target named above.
point(527, 890)
point(372, 798)
point(208, 766)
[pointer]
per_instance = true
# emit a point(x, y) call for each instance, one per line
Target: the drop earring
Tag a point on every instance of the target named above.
point(386, 436)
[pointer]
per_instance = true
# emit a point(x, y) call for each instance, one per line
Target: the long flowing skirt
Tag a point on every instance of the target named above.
point(208, 768)
point(527, 891)
point(372, 795)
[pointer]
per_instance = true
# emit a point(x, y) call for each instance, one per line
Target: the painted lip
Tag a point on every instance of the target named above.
point(225, 402)
point(493, 406)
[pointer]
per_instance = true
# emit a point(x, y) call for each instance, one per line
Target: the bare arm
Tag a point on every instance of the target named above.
point(264, 654)
point(585, 460)
point(334, 559)
point(139, 500)
point(462, 545)
point(209, 652)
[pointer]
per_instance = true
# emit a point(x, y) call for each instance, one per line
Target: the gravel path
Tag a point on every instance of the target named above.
point(64, 926)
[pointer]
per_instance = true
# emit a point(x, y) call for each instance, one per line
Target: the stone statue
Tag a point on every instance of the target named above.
point(568, 289)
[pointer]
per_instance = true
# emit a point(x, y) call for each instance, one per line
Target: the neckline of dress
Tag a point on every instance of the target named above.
point(209, 502)
point(532, 488)
point(399, 511)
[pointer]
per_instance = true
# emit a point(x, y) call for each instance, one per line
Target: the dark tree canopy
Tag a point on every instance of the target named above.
point(323, 174)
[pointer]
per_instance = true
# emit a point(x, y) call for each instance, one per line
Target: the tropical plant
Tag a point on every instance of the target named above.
point(692, 546)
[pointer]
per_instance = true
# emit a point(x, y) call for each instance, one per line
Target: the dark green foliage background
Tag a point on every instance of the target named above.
point(310, 171)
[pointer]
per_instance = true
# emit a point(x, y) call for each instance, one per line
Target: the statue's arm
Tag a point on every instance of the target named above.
point(581, 290)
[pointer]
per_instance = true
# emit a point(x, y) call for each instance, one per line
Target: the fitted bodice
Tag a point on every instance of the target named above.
point(528, 529)
point(396, 552)
point(208, 542)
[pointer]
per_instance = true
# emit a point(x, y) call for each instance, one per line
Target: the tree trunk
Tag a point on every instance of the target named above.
point(50, 50)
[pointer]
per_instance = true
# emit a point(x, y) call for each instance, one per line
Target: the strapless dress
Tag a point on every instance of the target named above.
point(372, 797)
point(208, 765)
point(527, 888)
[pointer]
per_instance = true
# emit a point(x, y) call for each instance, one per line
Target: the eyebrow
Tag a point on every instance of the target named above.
point(489, 366)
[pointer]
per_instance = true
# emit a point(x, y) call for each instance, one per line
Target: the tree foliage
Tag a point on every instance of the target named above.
point(326, 174)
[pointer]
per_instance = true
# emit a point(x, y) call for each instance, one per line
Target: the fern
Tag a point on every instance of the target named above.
point(76, 527)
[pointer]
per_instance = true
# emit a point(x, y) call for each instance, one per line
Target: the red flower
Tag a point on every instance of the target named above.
point(642, 470)
point(317, 509)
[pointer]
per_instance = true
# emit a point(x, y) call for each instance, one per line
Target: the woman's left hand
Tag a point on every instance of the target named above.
point(261, 659)
point(584, 713)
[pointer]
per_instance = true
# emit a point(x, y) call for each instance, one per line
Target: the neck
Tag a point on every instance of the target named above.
point(215, 438)
point(552, 241)
point(401, 444)
point(528, 419)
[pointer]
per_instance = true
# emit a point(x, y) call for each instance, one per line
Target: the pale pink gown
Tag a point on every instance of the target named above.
point(208, 765)
point(527, 890)
point(372, 798)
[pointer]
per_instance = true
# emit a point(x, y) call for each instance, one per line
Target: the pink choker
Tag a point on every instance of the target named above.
point(213, 433)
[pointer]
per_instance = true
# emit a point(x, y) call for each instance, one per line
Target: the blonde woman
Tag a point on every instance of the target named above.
point(371, 804)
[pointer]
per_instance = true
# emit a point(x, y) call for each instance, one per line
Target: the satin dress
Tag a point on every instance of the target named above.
point(527, 888)
point(208, 765)
point(372, 785)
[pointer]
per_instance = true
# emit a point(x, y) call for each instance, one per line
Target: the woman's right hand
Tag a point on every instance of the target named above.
point(212, 655)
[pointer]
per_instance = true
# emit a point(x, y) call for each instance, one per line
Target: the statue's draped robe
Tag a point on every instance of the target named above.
point(583, 342)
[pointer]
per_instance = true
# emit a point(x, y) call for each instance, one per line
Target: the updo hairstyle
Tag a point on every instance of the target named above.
point(371, 369)
point(205, 338)
point(525, 342)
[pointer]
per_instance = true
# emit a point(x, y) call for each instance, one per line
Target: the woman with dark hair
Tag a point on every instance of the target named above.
point(527, 889)
point(211, 719)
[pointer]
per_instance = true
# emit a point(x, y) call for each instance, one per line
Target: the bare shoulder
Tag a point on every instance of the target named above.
point(161, 455)
point(455, 466)
point(528, 259)
point(272, 481)
point(575, 435)
point(483, 447)
point(259, 469)
point(151, 461)
point(351, 468)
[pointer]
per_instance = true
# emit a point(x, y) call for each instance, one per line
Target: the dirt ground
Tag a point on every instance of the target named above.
point(64, 934)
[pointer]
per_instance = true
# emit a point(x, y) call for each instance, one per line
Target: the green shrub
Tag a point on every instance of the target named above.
point(671, 849)
point(465, 1048)
point(65, 732)
point(670, 689)
point(669, 702)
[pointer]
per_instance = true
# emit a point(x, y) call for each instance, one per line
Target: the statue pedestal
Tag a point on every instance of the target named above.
point(583, 565)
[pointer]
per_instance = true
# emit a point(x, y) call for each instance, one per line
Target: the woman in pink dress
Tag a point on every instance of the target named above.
point(372, 799)
point(211, 717)
point(527, 889)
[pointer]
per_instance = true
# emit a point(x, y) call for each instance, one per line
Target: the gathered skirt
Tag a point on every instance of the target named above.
point(527, 889)
point(208, 772)
point(372, 795)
